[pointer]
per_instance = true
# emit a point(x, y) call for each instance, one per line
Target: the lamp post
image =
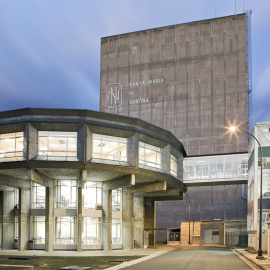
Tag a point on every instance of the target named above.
point(188, 218)
point(259, 256)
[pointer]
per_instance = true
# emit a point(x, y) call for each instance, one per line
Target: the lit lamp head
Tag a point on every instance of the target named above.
point(232, 129)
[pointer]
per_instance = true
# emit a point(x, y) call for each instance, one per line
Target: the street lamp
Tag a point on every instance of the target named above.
point(188, 218)
point(260, 256)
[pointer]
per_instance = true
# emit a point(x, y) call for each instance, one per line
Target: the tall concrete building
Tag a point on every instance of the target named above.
point(192, 79)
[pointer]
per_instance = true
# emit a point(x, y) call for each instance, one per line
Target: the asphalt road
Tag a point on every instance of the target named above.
point(194, 258)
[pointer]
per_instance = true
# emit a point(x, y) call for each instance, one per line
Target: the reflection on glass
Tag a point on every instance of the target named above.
point(217, 167)
point(116, 231)
point(149, 155)
point(38, 196)
point(11, 145)
point(173, 167)
point(92, 194)
point(108, 147)
point(54, 143)
point(65, 230)
point(38, 232)
point(66, 194)
point(91, 234)
point(116, 199)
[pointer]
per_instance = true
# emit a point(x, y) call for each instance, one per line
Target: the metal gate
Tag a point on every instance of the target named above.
point(211, 236)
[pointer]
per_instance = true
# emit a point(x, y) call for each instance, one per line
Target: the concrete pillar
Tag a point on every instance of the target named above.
point(80, 222)
point(138, 232)
point(127, 219)
point(180, 164)
point(8, 219)
point(24, 219)
point(166, 159)
point(107, 219)
point(31, 142)
point(132, 150)
point(49, 219)
point(149, 219)
point(84, 144)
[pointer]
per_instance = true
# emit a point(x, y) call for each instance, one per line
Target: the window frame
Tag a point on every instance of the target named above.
point(61, 135)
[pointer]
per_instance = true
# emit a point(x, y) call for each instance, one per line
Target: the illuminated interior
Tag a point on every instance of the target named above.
point(173, 166)
point(149, 155)
point(108, 147)
point(11, 145)
point(52, 143)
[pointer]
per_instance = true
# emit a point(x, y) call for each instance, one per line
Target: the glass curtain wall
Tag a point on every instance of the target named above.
point(116, 231)
point(108, 147)
point(66, 194)
point(91, 234)
point(149, 155)
point(65, 230)
point(116, 199)
point(38, 196)
point(38, 229)
point(116, 222)
point(92, 194)
point(216, 167)
point(59, 144)
point(173, 166)
point(11, 145)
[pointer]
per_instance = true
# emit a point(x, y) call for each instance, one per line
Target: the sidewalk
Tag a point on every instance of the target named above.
point(94, 253)
point(261, 264)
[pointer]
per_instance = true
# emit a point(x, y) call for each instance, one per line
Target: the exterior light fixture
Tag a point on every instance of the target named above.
point(236, 129)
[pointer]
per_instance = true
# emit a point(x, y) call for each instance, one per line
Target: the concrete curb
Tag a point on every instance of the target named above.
point(126, 264)
point(247, 258)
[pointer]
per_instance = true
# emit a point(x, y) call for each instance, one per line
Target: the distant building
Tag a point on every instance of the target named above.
point(261, 131)
point(83, 180)
point(193, 79)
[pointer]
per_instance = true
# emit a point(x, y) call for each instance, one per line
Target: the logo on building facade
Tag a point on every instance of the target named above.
point(114, 95)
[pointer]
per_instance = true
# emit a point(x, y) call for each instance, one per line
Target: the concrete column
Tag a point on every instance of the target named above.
point(49, 219)
point(166, 159)
point(31, 142)
point(107, 219)
point(24, 219)
point(84, 144)
point(149, 218)
point(8, 219)
point(127, 219)
point(138, 234)
point(132, 150)
point(180, 164)
point(80, 222)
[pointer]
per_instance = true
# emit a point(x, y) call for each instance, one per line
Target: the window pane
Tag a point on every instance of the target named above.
point(65, 230)
point(39, 230)
point(59, 144)
point(108, 147)
point(66, 194)
point(149, 155)
point(91, 234)
point(11, 145)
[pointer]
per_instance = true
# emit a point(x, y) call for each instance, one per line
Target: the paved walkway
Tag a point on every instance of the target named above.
point(261, 264)
point(150, 253)
point(135, 252)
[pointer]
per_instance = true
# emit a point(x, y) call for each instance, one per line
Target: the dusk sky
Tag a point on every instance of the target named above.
point(50, 49)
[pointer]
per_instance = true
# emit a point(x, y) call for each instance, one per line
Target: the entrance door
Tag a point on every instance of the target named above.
point(211, 236)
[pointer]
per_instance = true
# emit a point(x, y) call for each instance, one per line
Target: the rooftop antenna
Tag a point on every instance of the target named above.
point(235, 6)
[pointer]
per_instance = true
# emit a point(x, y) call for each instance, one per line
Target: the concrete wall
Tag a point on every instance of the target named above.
point(218, 225)
point(187, 78)
point(207, 203)
point(195, 232)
